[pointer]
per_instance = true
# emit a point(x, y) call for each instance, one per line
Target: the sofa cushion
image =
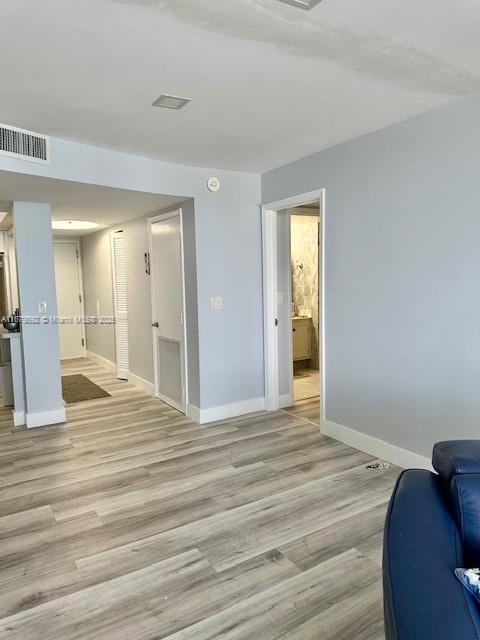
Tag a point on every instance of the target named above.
point(456, 457)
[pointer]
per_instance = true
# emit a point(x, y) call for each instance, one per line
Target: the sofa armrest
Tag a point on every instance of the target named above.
point(422, 597)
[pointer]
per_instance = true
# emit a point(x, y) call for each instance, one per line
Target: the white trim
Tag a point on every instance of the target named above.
point(205, 416)
point(375, 447)
point(322, 363)
point(286, 400)
point(80, 285)
point(295, 201)
point(142, 384)
point(102, 361)
point(18, 418)
point(45, 418)
point(269, 241)
point(174, 213)
point(194, 412)
point(288, 299)
point(269, 246)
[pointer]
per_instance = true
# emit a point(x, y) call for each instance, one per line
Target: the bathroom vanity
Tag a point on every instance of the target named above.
point(302, 338)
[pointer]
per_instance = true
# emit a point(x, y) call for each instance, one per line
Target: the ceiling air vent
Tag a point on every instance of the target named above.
point(303, 4)
point(24, 145)
point(171, 102)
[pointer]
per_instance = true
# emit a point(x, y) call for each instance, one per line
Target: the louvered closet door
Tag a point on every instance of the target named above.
point(119, 269)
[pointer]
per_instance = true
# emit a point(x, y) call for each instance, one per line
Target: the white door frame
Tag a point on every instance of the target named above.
point(80, 282)
point(270, 302)
point(175, 213)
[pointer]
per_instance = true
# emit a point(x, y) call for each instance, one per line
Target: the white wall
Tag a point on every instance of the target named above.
point(228, 255)
point(402, 276)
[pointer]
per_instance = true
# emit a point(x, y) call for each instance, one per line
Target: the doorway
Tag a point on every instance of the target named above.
point(294, 300)
point(168, 308)
point(304, 296)
point(69, 285)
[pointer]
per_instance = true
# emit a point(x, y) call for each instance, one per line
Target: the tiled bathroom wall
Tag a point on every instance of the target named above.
point(304, 262)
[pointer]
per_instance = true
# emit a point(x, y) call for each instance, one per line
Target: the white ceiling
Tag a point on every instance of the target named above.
point(269, 82)
point(77, 201)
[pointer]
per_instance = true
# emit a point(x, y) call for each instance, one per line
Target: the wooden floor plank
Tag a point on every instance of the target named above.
point(131, 521)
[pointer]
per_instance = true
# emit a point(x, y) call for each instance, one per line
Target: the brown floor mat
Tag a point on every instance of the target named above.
point(78, 388)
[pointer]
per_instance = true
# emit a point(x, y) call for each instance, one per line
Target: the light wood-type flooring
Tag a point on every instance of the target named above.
point(131, 522)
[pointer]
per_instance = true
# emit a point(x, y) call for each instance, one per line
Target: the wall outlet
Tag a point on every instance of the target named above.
point(216, 304)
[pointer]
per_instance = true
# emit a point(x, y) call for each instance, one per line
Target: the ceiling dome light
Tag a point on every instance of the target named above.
point(74, 225)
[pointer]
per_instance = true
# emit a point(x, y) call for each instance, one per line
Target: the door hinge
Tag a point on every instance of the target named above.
point(79, 297)
point(276, 322)
point(77, 253)
point(181, 319)
point(83, 342)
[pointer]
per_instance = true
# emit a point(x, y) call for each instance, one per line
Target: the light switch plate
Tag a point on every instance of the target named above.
point(280, 297)
point(42, 307)
point(216, 304)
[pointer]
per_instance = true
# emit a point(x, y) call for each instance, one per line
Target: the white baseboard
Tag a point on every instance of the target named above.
point(375, 447)
point(205, 416)
point(194, 413)
point(45, 418)
point(285, 401)
point(111, 366)
point(18, 418)
point(142, 384)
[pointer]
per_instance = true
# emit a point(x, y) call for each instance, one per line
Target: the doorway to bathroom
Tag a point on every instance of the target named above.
point(293, 258)
point(304, 297)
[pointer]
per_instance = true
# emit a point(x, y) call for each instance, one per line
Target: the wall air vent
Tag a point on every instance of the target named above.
point(303, 4)
point(23, 144)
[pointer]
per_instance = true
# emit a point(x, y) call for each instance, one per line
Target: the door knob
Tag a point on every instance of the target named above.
point(155, 324)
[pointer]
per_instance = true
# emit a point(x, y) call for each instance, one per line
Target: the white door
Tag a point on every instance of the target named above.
point(120, 303)
point(167, 310)
point(69, 300)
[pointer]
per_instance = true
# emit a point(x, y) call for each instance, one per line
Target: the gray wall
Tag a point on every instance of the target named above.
point(97, 284)
point(402, 276)
point(36, 283)
point(228, 254)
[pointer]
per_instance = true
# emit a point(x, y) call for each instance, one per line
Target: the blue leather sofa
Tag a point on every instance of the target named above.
point(432, 527)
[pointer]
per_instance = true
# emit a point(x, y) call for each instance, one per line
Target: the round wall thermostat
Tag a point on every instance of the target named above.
point(213, 185)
